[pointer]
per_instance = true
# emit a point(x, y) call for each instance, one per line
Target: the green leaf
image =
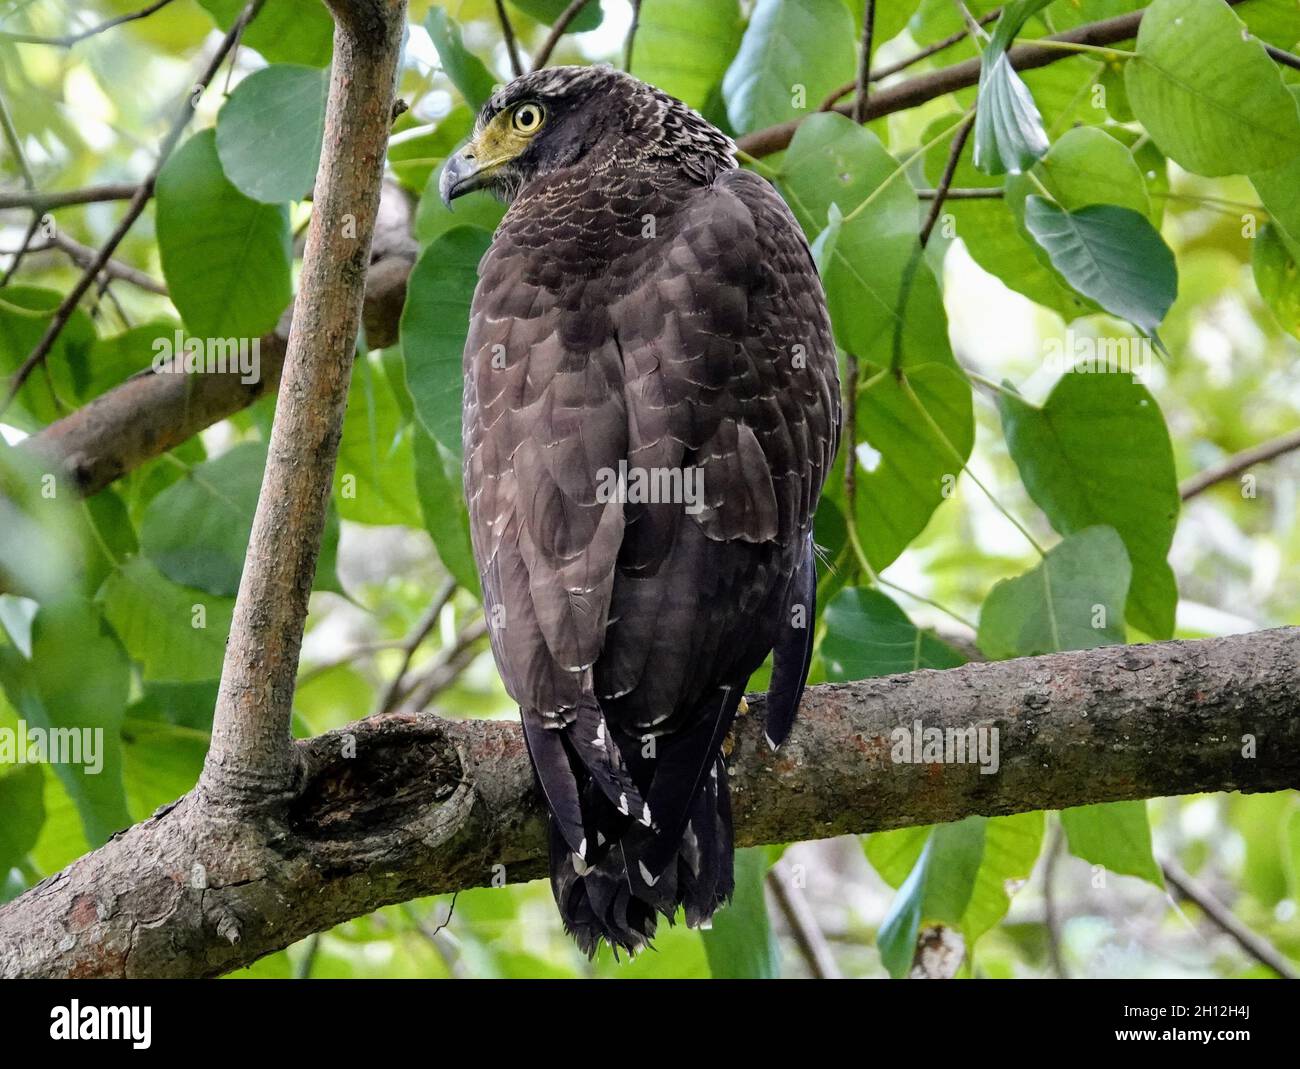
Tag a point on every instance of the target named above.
point(1115, 835)
point(196, 531)
point(1089, 166)
point(1009, 134)
point(1207, 92)
point(286, 31)
point(994, 234)
point(1073, 599)
point(225, 257)
point(741, 945)
point(466, 70)
point(76, 683)
point(415, 152)
point(547, 11)
point(25, 313)
point(434, 324)
point(884, 301)
point(23, 805)
point(1111, 255)
point(374, 478)
point(938, 888)
point(442, 502)
point(910, 466)
point(1098, 453)
point(1278, 277)
point(684, 47)
point(793, 54)
point(42, 552)
point(163, 762)
point(283, 106)
point(1279, 189)
point(177, 633)
point(971, 901)
point(1011, 847)
point(868, 635)
point(114, 359)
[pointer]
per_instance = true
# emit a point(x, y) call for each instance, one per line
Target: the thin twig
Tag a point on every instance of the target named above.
point(512, 45)
point(24, 248)
point(808, 936)
point(34, 198)
point(557, 31)
point(84, 256)
point(68, 40)
point(913, 92)
point(1251, 942)
point(907, 61)
point(864, 62)
point(1287, 59)
point(992, 193)
point(631, 35)
point(15, 145)
point(443, 669)
point(412, 642)
point(134, 209)
point(1237, 463)
point(949, 170)
point(1051, 916)
point(850, 434)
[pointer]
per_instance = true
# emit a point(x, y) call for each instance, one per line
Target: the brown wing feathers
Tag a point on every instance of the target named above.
point(627, 630)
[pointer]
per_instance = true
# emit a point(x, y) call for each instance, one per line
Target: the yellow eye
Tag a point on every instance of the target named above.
point(527, 118)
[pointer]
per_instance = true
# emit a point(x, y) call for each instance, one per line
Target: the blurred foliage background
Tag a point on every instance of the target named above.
point(977, 452)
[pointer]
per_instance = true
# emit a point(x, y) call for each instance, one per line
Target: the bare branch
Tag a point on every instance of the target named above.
point(631, 35)
point(949, 169)
point(1237, 463)
point(412, 642)
point(508, 33)
point(1251, 942)
point(864, 62)
point(90, 195)
point(250, 759)
point(84, 256)
point(558, 29)
point(844, 90)
point(803, 924)
point(70, 39)
point(405, 805)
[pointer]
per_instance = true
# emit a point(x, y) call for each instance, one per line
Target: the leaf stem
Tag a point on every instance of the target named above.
point(938, 432)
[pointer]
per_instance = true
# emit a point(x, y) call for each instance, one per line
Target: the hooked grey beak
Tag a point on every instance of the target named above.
point(461, 174)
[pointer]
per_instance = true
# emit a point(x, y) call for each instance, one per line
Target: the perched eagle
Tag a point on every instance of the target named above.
point(651, 407)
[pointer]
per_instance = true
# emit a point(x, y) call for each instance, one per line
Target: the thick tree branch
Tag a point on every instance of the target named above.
point(251, 759)
point(406, 805)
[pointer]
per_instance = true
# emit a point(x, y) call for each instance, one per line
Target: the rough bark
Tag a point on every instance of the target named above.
point(250, 758)
point(403, 805)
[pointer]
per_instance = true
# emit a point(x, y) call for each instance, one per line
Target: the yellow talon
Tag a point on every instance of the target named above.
point(743, 708)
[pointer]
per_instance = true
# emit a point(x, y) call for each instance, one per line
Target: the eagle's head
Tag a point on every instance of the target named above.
point(559, 118)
